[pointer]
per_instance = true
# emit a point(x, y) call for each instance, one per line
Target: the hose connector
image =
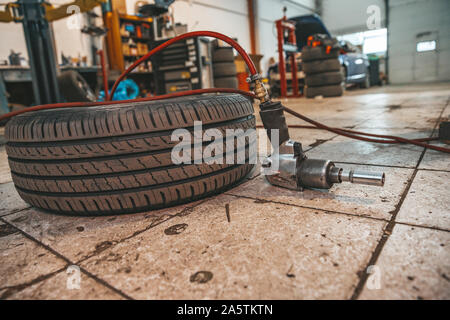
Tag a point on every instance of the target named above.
point(260, 90)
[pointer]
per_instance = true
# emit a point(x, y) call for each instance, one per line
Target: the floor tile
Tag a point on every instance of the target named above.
point(66, 286)
point(10, 200)
point(372, 201)
point(5, 173)
point(22, 261)
point(428, 201)
point(309, 138)
point(343, 149)
point(266, 251)
point(414, 264)
point(410, 114)
point(436, 160)
point(80, 237)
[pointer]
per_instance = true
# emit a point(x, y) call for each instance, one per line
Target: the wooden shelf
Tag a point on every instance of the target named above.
point(114, 21)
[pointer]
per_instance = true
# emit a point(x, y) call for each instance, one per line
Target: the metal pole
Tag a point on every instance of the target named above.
point(104, 73)
point(251, 21)
point(41, 52)
point(3, 98)
point(281, 61)
point(386, 58)
point(294, 81)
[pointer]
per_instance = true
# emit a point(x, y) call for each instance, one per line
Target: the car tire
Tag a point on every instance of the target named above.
point(317, 53)
point(324, 78)
point(324, 65)
point(226, 82)
point(224, 69)
point(366, 83)
point(325, 91)
point(116, 159)
point(74, 88)
point(223, 54)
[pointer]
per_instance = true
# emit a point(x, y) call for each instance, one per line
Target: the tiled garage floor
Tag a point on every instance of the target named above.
point(352, 241)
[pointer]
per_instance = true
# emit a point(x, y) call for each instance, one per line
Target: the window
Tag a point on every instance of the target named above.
point(424, 46)
point(372, 41)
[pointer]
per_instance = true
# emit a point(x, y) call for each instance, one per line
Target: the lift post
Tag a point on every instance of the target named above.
point(41, 51)
point(291, 48)
point(36, 17)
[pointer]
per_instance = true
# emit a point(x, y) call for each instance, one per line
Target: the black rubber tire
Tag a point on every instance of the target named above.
point(224, 69)
point(117, 159)
point(74, 88)
point(323, 79)
point(223, 54)
point(317, 53)
point(226, 82)
point(324, 65)
point(325, 91)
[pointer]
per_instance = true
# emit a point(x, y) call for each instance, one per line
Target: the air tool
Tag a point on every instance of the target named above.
point(288, 166)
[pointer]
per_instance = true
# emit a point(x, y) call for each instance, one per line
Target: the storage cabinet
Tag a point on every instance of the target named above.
point(184, 65)
point(128, 38)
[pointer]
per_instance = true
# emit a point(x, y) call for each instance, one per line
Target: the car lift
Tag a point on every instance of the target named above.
point(35, 16)
point(291, 48)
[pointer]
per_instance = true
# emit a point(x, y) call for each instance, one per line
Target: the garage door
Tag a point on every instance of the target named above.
point(426, 57)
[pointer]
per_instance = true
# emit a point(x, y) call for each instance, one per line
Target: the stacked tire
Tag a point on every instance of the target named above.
point(323, 75)
point(224, 69)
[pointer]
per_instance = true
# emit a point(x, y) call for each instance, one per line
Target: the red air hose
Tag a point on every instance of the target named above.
point(345, 132)
point(297, 126)
point(101, 53)
point(188, 35)
point(102, 103)
point(354, 134)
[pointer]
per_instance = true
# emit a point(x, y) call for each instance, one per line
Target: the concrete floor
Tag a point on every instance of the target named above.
point(352, 241)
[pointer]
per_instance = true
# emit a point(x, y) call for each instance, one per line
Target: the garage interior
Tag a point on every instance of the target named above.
point(370, 79)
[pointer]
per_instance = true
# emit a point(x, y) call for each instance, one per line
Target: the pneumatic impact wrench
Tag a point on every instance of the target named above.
point(288, 166)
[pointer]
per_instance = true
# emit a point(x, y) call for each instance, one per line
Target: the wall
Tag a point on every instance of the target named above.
point(408, 18)
point(229, 17)
point(267, 12)
point(12, 38)
point(348, 16)
point(69, 41)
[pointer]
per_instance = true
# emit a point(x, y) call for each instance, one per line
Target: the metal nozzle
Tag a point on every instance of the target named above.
point(260, 90)
point(361, 177)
